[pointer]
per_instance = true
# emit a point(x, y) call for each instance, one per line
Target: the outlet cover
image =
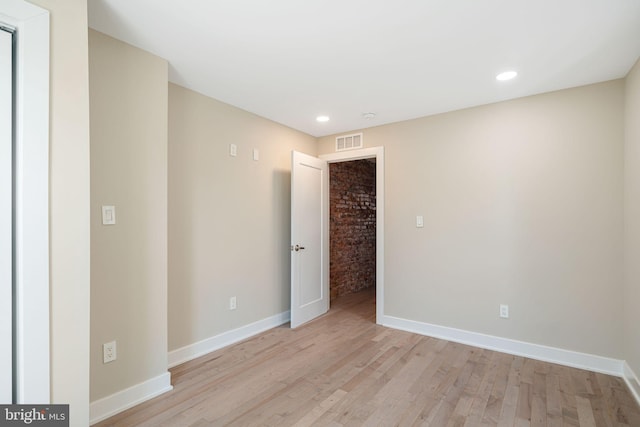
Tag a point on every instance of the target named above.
point(504, 311)
point(232, 303)
point(109, 352)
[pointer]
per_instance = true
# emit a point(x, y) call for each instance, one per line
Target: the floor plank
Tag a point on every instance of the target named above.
point(344, 370)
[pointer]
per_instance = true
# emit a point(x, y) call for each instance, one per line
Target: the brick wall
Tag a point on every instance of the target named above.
point(352, 226)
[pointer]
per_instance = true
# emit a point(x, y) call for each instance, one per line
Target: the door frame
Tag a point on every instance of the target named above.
point(6, 216)
point(378, 154)
point(31, 262)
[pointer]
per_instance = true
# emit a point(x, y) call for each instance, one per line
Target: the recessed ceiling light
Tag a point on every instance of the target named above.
point(507, 75)
point(368, 115)
point(322, 119)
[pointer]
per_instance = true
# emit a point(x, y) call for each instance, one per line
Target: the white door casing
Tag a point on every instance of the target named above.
point(31, 200)
point(378, 154)
point(309, 238)
point(6, 217)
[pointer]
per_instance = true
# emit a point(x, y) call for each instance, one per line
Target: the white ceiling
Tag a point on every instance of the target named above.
point(292, 60)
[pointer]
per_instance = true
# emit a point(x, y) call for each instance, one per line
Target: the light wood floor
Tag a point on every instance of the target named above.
point(343, 370)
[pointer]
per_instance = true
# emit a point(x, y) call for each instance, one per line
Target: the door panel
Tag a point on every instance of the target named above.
point(6, 226)
point(309, 233)
point(309, 239)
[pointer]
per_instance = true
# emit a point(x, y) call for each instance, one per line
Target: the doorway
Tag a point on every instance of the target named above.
point(376, 156)
point(310, 232)
point(352, 231)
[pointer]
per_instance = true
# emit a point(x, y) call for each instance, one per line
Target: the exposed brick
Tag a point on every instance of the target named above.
point(352, 226)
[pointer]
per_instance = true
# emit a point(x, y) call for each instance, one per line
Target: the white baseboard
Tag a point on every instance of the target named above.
point(106, 407)
point(570, 358)
point(192, 351)
point(632, 381)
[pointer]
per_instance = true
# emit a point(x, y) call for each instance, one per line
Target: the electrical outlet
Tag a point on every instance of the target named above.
point(232, 303)
point(504, 311)
point(109, 352)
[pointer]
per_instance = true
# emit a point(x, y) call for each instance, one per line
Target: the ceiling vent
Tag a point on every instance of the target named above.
point(349, 142)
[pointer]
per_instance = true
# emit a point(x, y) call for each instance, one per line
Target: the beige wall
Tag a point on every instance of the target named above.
point(229, 222)
point(522, 205)
point(560, 152)
point(128, 90)
point(632, 219)
point(69, 206)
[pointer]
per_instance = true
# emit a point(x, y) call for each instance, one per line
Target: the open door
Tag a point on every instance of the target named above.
point(309, 238)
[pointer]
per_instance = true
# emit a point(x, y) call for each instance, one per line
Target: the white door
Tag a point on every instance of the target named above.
point(309, 238)
point(6, 239)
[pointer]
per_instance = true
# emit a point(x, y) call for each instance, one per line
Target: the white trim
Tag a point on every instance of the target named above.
point(632, 381)
point(32, 198)
point(570, 358)
point(6, 221)
point(192, 351)
point(111, 405)
point(378, 154)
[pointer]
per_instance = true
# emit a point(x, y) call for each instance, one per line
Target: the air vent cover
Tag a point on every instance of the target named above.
point(349, 142)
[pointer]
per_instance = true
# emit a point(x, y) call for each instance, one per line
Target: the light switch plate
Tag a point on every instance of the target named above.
point(108, 215)
point(256, 154)
point(233, 150)
point(419, 221)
